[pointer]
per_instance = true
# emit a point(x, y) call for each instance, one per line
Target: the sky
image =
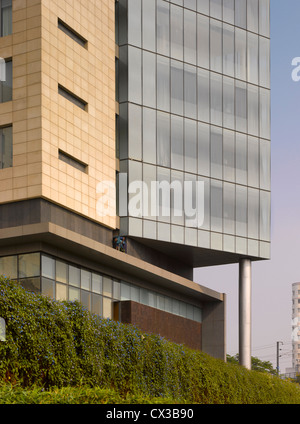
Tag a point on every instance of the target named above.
point(272, 280)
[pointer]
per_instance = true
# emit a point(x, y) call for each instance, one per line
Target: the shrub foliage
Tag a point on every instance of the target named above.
point(60, 344)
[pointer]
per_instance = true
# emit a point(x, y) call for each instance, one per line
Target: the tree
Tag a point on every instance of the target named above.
point(256, 364)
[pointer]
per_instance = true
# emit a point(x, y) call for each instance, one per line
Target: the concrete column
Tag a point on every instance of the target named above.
point(245, 313)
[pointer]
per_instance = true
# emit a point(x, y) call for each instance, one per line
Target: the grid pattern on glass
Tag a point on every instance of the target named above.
point(158, 301)
point(195, 98)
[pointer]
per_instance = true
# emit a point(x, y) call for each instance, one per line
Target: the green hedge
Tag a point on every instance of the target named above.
point(60, 344)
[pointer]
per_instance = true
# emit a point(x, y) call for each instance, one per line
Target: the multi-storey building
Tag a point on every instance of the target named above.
point(136, 147)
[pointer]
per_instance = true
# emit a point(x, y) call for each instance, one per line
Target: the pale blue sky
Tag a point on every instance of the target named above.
point(272, 280)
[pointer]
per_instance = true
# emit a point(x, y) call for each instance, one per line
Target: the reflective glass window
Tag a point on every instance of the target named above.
point(252, 57)
point(86, 279)
point(6, 81)
point(48, 288)
point(241, 158)
point(229, 208)
point(228, 50)
point(241, 13)
point(253, 162)
point(177, 192)
point(253, 213)
point(203, 95)
point(190, 91)
point(203, 41)
point(216, 35)
point(134, 22)
point(216, 206)
point(96, 307)
point(240, 106)
point(134, 131)
point(177, 142)
point(176, 87)
point(61, 292)
point(216, 143)
point(107, 286)
point(48, 267)
point(228, 11)
point(265, 165)
point(228, 103)
point(203, 6)
point(265, 125)
point(265, 212)
point(229, 155)
point(32, 285)
point(240, 53)
point(85, 297)
point(252, 15)
point(149, 79)
point(96, 283)
point(216, 9)
point(9, 266)
point(176, 32)
point(253, 110)
point(6, 147)
point(163, 139)
point(134, 75)
point(61, 272)
point(264, 62)
point(216, 109)
point(74, 276)
point(6, 17)
point(74, 294)
point(163, 83)
point(149, 135)
point(264, 17)
point(190, 37)
point(29, 265)
point(241, 211)
point(148, 22)
point(163, 27)
point(190, 145)
point(203, 149)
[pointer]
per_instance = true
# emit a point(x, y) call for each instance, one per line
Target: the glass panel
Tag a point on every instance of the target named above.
point(116, 290)
point(177, 200)
point(96, 283)
point(190, 91)
point(216, 9)
point(265, 125)
point(86, 280)
point(228, 11)
point(252, 15)
point(176, 87)
point(135, 294)
point(144, 297)
point(48, 267)
point(86, 299)
point(203, 95)
point(241, 106)
point(216, 104)
point(264, 62)
point(134, 75)
point(32, 285)
point(6, 18)
point(253, 109)
point(241, 211)
point(216, 142)
point(176, 32)
point(190, 4)
point(134, 22)
point(265, 211)
point(107, 287)
point(203, 149)
point(253, 213)
point(61, 292)
point(216, 206)
point(176, 142)
point(229, 155)
point(163, 194)
point(252, 58)
point(190, 312)
point(74, 276)
point(134, 132)
point(149, 23)
point(149, 176)
point(6, 148)
point(265, 165)
point(203, 6)
point(241, 13)
point(253, 162)
point(190, 145)
point(74, 294)
point(163, 83)
point(125, 291)
point(229, 208)
point(48, 288)
point(29, 265)
point(228, 103)
point(216, 46)
point(190, 37)
point(9, 266)
point(203, 41)
point(96, 304)
point(6, 85)
point(163, 139)
point(182, 309)
point(61, 272)
point(149, 79)
point(241, 159)
point(264, 17)
point(163, 27)
point(149, 135)
point(228, 50)
point(240, 53)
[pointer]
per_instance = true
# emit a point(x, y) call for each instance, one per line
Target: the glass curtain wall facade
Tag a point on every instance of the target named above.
point(194, 95)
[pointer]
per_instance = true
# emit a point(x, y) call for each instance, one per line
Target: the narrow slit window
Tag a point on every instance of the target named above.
point(6, 147)
point(72, 161)
point(72, 97)
point(5, 80)
point(5, 17)
point(72, 33)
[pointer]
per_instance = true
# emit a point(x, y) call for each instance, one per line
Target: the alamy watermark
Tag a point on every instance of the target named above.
point(296, 70)
point(155, 199)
